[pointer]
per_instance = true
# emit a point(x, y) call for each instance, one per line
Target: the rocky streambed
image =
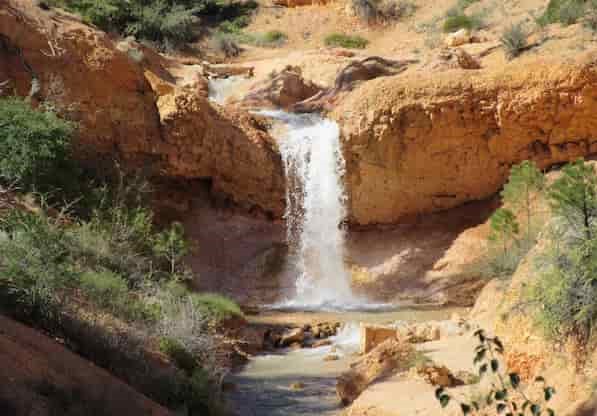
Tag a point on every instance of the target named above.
point(298, 373)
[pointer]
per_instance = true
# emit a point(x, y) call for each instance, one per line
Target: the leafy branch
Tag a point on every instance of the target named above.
point(506, 394)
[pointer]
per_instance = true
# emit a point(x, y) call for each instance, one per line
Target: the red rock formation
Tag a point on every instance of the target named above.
point(129, 106)
point(416, 144)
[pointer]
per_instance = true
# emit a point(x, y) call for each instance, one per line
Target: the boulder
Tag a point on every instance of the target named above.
point(382, 360)
point(458, 38)
point(436, 375)
point(420, 332)
point(282, 90)
point(453, 58)
point(321, 343)
point(292, 336)
point(373, 335)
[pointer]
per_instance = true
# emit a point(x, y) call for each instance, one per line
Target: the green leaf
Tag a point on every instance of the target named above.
point(495, 364)
point(514, 380)
point(466, 409)
point(479, 356)
point(501, 394)
point(480, 333)
point(498, 344)
point(444, 400)
point(548, 393)
point(438, 392)
point(535, 409)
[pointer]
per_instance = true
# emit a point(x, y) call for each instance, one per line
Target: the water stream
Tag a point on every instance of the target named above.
point(315, 210)
point(267, 384)
point(220, 89)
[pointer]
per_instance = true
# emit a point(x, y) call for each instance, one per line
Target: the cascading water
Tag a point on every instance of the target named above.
point(220, 89)
point(315, 209)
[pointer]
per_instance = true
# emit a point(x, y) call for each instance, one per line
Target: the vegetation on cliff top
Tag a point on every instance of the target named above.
point(345, 41)
point(105, 280)
point(166, 22)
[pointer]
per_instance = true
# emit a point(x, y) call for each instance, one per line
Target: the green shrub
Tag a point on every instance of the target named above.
point(178, 354)
point(216, 307)
point(199, 393)
point(273, 37)
point(507, 245)
point(167, 22)
point(162, 22)
point(565, 288)
point(34, 146)
point(455, 22)
point(514, 40)
point(235, 25)
point(346, 41)
point(110, 291)
point(566, 12)
point(395, 9)
point(34, 268)
point(591, 15)
point(225, 43)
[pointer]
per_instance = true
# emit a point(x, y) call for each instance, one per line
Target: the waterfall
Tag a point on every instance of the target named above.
point(220, 89)
point(315, 209)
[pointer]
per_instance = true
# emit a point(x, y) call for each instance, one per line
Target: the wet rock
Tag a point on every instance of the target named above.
point(295, 346)
point(228, 386)
point(296, 335)
point(321, 343)
point(382, 360)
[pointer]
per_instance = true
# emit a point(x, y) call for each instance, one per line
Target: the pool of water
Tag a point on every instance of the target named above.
point(264, 387)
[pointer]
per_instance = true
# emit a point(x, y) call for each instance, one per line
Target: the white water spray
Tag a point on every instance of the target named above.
point(315, 209)
point(220, 89)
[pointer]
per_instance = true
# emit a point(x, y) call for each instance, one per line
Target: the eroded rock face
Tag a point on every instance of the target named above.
point(130, 106)
point(414, 145)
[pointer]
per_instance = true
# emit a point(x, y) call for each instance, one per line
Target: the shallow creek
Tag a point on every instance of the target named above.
point(264, 387)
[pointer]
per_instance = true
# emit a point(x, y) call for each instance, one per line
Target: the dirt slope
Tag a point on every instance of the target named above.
point(41, 377)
